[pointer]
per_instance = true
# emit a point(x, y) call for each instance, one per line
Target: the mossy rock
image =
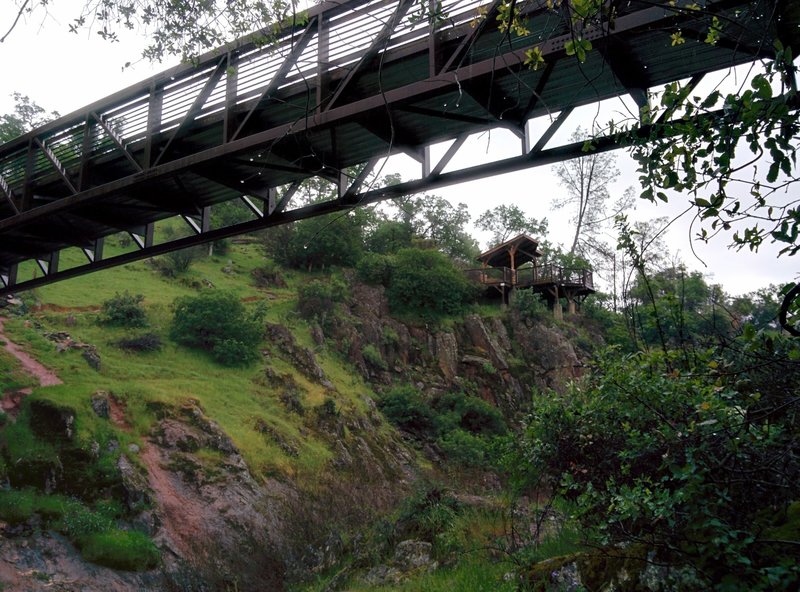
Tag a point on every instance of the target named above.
point(618, 569)
point(121, 549)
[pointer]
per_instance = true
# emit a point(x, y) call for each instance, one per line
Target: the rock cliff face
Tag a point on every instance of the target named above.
point(502, 357)
point(217, 524)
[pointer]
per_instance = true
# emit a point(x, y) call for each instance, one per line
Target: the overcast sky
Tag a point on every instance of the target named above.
point(65, 71)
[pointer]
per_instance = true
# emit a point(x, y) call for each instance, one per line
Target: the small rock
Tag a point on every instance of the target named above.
point(133, 448)
point(381, 575)
point(100, 403)
point(410, 555)
point(92, 357)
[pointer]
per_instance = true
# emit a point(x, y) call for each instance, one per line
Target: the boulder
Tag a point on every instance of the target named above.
point(100, 404)
point(412, 555)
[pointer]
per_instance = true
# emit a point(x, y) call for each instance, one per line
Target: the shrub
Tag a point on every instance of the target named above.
point(175, 263)
point(147, 342)
point(232, 352)
point(327, 409)
point(373, 356)
point(430, 511)
point(124, 310)
point(16, 506)
point(218, 323)
point(121, 549)
point(465, 448)
point(460, 411)
point(428, 284)
point(530, 306)
point(268, 276)
point(406, 408)
point(375, 269)
point(689, 453)
point(317, 299)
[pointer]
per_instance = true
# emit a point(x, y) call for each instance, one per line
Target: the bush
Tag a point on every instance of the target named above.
point(317, 299)
point(430, 511)
point(373, 356)
point(530, 306)
point(327, 409)
point(124, 310)
point(232, 352)
point(427, 283)
point(405, 408)
point(147, 342)
point(218, 323)
point(375, 269)
point(175, 263)
point(694, 454)
point(121, 549)
point(476, 416)
point(465, 448)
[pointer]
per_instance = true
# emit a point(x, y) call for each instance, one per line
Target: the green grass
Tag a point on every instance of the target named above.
point(233, 397)
point(128, 550)
point(12, 376)
point(92, 531)
point(141, 278)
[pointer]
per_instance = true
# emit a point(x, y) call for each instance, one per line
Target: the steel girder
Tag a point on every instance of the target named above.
point(348, 84)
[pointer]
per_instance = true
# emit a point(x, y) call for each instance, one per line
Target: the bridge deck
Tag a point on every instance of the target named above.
point(348, 83)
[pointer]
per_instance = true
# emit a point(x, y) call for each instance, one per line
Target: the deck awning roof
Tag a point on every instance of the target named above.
point(523, 247)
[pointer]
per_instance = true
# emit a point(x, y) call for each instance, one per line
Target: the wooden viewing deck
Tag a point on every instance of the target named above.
point(513, 265)
point(528, 277)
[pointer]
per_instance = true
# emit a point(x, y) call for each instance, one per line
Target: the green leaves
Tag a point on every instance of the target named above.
point(679, 459)
point(578, 48)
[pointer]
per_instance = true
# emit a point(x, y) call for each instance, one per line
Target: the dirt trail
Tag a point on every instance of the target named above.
point(181, 514)
point(11, 401)
point(44, 375)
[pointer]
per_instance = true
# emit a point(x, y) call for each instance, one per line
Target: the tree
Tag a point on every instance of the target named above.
point(587, 182)
point(180, 28)
point(425, 282)
point(505, 222)
point(437, 220)
point(27, 115)
point(333, 239)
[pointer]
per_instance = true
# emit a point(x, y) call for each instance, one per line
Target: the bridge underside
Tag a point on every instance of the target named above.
point(344, 87)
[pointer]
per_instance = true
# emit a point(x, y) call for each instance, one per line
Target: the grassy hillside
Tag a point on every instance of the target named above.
point(233, 397)
point(288, 441)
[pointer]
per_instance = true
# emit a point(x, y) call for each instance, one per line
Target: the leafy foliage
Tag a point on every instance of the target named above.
point(389, 236)
point(505, 222)
point(146, 342)
point(218, 323)
point(124, 310)
point(530, 306)
point(175, 263)
point(324, 241)
point(27, 115)
point(318, 298)
point(462, 426)
point(692, 460)
point(426, 283)
point(376, 269)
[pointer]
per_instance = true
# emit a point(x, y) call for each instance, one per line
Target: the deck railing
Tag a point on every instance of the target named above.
point(533, 276)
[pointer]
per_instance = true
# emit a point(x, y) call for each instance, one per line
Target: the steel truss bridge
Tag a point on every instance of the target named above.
point(344, 85)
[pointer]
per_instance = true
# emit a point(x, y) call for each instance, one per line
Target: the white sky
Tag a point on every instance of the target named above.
point(65, 71)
